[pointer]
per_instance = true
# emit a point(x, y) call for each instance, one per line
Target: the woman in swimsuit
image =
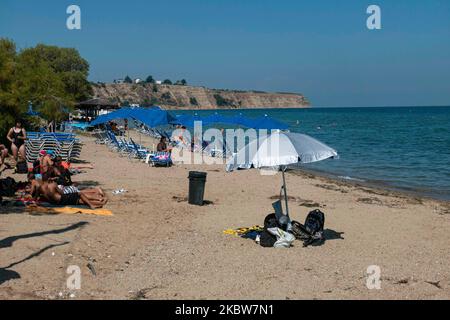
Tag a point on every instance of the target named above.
point(17, 136)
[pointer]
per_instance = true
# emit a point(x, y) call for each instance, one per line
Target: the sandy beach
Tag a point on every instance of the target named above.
point(157, 246)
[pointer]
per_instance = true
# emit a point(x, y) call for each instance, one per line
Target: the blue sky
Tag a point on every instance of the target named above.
point(319, 48)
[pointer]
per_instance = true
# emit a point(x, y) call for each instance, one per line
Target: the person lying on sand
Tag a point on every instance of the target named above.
point(69, 196)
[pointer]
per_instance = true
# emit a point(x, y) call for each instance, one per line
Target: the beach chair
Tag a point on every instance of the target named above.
point(159, 159)
point(138, 151)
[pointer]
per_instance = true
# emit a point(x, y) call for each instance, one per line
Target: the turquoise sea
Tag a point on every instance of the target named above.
point(406, 148)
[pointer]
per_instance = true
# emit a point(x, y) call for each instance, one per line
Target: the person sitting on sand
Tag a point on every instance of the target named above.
point(162, 146)
point(3, 154)
point(46, 161)
point(69, 196)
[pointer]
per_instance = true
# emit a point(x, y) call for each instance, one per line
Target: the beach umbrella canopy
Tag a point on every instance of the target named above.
point(188, 120)
point(217, 118)
point(152, 117)
point(122, 113)
point(280, 149)
point(268, 123)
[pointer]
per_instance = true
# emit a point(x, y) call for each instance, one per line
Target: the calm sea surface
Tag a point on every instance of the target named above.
point(403, 148)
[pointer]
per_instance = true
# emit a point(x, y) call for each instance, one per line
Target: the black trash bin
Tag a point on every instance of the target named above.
point(197, 182)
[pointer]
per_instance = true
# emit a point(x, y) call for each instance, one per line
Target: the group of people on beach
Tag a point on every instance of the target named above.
point(50, 179)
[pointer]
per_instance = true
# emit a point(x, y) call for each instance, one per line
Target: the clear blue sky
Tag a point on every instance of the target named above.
point(320, 48)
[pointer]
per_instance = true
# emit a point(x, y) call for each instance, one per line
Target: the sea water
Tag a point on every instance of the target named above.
point(405, 148)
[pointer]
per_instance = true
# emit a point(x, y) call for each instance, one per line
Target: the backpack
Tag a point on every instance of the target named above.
point(8, 187)
point(22, 167)
point(312, 230)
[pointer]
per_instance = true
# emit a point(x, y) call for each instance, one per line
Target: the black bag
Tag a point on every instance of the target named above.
point(266, 239)
point(22, 167)
point(312, 230)
point(8, 187)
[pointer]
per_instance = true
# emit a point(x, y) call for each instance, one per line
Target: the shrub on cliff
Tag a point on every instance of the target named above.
point(221, 101)
point(182, 82)
point(193, 101)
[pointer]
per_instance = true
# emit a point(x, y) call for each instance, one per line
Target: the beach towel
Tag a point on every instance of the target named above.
point(68, 210)
point(242, 231)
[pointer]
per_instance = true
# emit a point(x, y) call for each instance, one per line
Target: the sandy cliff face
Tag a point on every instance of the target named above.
point(189, 97)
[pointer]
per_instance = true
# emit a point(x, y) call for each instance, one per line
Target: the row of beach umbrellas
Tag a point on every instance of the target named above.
point(158, 117)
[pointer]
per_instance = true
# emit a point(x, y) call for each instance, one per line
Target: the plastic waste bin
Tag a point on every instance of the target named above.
point(197, 181)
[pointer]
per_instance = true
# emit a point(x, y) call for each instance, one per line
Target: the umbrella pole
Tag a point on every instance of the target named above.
point(283, 168)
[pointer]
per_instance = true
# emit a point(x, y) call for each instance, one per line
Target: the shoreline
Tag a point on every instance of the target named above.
point(380, 187)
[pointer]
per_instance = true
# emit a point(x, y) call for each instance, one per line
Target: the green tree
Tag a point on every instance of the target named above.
point(182, 82)
point(8, 100)
point(52, 78)
point(38, 82)
point(167, 81)
point(150, 79)
point(71, 67)
point(128, 80)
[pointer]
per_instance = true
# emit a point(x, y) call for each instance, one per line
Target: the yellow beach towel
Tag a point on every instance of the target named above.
point(70, 210)
point(242, 231)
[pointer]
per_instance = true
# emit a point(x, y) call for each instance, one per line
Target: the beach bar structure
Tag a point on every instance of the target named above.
point(95, 107)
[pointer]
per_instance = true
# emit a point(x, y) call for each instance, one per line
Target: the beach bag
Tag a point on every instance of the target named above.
point(22, 167)
point(312, 230)
point(284, 239)
point(8, 187)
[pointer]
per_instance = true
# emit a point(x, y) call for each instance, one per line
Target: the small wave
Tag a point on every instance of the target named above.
point(350, 178)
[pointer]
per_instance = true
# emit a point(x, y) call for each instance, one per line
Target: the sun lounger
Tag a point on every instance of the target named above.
point(159, 159)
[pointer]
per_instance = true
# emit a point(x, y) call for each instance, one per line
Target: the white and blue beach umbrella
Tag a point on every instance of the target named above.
point(280, 149)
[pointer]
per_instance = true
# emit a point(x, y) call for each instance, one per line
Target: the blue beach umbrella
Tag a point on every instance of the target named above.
point(188, 120)
point(152, 117)
point(122, 113)
point(270, 124)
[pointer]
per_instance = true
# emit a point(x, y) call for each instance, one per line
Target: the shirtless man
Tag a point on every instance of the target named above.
point(67, 196)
